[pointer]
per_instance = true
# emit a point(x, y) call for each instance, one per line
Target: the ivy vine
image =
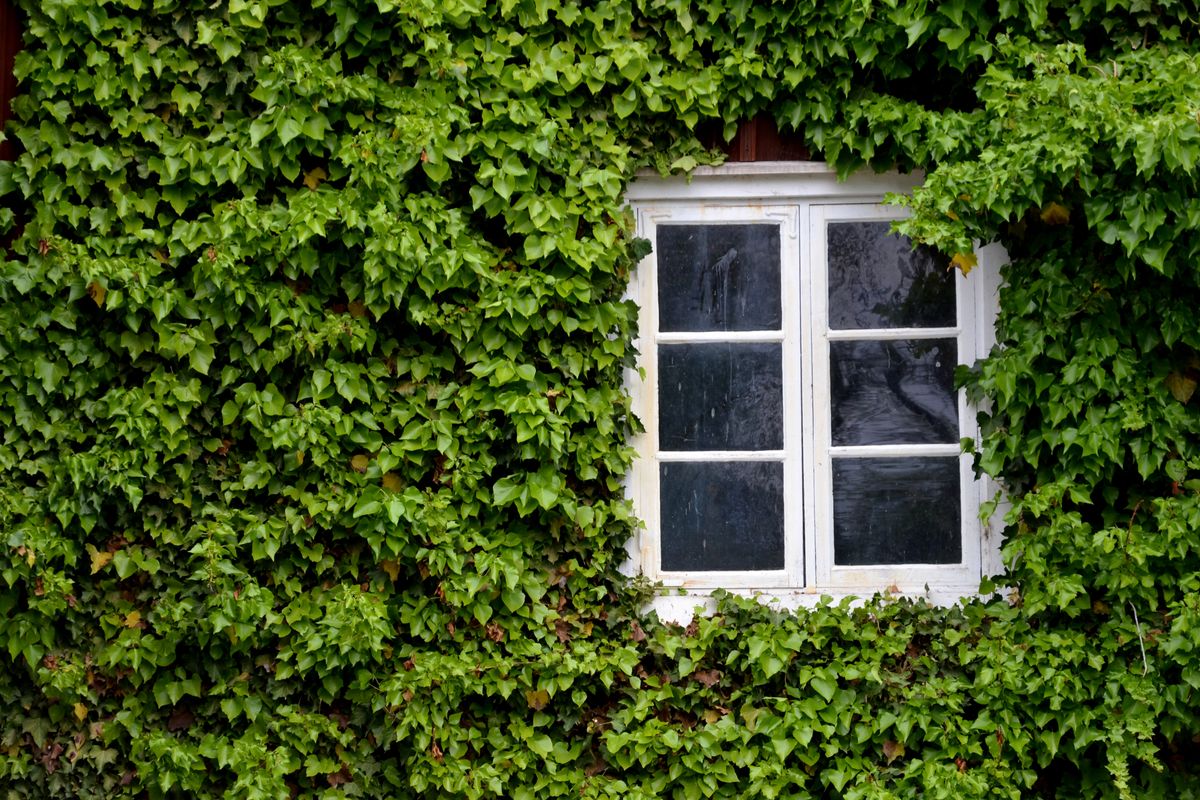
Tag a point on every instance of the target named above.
point(313, 428)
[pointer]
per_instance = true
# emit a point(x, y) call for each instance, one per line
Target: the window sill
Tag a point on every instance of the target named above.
point(680, 606)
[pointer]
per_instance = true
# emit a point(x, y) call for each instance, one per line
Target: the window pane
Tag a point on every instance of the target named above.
point(893, 392)
point(896, 511)
point(718, 278)
point(722, 515)
point(876, 280)
point(720, 396)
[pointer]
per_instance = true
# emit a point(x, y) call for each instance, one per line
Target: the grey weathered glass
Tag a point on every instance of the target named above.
point(721, 515)
point(876, 280)
point(896, 511)
point(720, 396)
point(893, 392)
point(718, 277)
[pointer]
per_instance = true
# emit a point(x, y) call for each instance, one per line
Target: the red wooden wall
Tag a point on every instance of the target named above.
point(759, 139)
point(10, 41)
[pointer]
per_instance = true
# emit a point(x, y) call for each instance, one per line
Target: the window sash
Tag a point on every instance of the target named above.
point(647, 490)
point(819, 526)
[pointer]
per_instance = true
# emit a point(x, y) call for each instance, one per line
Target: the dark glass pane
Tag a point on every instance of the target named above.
point(876, 280)
point(720, 396)
point(718, 278)
point(896, 511)
point(722, 515)
point(893, 392)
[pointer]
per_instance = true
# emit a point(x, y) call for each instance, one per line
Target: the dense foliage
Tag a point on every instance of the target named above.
point(312, 427)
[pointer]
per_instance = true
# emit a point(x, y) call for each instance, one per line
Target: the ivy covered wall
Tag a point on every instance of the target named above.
point(312, 426)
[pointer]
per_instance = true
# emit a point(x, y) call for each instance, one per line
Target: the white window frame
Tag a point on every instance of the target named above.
point(802, 197)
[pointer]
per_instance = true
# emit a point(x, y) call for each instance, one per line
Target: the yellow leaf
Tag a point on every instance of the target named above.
point(99, 559)
point(133, 619)
point(357, 308)
point(1181, 386)
point(964, 262)
point(313, 178)
point(1055, 214)
point(360, 463)
point(80, 711)
point(392, 568)
point(537, 700)
point(712, 715)
point(30, 558)
point(299, 457)
point(97, 293)
point(392, 482)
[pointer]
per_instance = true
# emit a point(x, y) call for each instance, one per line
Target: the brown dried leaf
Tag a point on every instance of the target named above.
point(639, 635)
point(537, 700)
point(1181, 386)
point(1055, 214)
point(707, 677)
point(314, 177)
point(392, 568)
point(97, 292)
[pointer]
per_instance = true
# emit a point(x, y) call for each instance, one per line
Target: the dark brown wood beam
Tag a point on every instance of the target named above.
point(10, 43)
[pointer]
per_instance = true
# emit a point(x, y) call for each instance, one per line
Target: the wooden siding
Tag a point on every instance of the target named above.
point(10, 42)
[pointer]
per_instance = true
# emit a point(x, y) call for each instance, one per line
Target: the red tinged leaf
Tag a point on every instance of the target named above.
point(340, 777)
point(180, 719)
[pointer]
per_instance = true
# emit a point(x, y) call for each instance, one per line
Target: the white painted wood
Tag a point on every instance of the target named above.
point(802, 197)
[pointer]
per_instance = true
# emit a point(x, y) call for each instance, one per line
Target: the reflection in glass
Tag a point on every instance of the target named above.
point(720, 396)
point(896, 511)
point(876, 280)
point(722, 515)
point(893, 392)
point(718, 278)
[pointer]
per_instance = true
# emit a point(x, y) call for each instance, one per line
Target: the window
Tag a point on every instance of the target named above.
point(797, 388)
